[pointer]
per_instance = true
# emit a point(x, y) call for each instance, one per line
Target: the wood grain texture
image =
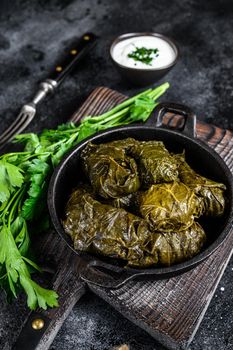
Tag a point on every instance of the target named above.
point(67, 283)
point(170, 309)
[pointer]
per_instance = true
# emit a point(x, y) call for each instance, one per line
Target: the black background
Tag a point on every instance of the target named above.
point(33, 35)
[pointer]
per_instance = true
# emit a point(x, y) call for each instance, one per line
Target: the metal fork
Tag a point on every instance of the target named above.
point(28, 111)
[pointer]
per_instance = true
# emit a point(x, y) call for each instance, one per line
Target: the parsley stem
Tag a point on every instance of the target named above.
point(156, 93)
point(119, 107)
point(19, 195)
point(115, 116)
point(6, 209)
point(7, 155)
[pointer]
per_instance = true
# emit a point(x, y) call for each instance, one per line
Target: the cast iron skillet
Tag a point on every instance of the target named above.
point(107, 272)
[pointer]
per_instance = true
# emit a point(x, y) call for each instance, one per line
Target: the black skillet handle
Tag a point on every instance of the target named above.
point(73, 56)
point(102, 275)
point(156, 118)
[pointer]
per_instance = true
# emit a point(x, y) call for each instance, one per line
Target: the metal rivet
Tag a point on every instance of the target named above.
point(58, 68)
point(38, 323)
point(73, 52)
point(86, 37)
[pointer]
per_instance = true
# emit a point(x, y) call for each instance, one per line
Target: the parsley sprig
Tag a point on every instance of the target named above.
point(144, 55)
point(24, 178)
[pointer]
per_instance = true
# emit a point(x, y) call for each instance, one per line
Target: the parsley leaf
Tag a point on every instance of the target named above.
point(10, 177)
point(33, 205)
point(31, 140)
point(17, 270)
point(142, 108)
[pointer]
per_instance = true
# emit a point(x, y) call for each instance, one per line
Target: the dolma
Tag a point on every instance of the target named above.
point(211, 192)
point(125, 202)
point(112, 173)
point(156, 165)
point(175, 247)
point(141, 204)
point(129, 202)
point(170, 206)
point(129, 145)
point(103, 229)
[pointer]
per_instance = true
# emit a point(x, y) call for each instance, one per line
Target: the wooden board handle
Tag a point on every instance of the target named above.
point(41, 326)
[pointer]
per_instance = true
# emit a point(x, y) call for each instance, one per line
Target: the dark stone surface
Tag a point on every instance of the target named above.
point(32, 36)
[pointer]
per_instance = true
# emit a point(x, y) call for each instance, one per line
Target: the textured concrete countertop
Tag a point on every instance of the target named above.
point(32, 34)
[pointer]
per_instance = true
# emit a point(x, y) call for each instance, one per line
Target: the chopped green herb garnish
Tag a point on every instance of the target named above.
point(144, 55)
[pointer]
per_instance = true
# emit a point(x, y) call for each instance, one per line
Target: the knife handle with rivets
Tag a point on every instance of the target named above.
point(41, 326)
point(32, 332)
point(73, 56)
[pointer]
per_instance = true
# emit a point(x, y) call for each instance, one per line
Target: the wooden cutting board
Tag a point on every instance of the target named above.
point(170, 310)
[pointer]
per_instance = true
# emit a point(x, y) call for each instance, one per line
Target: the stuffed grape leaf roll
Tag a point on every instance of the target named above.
point(103, 229)
point(126, 202)
point(112, 173)
point(156, 164)
point(210, 191)
point(113, 232)
point(170, 206)
point(175, 247)
point(129, 145)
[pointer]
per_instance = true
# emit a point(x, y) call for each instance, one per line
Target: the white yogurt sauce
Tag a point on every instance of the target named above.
point(166, 53)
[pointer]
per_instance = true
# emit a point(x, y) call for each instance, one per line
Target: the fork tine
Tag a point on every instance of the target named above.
point(26, 114)
point(16, 122)
point(19, 124)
